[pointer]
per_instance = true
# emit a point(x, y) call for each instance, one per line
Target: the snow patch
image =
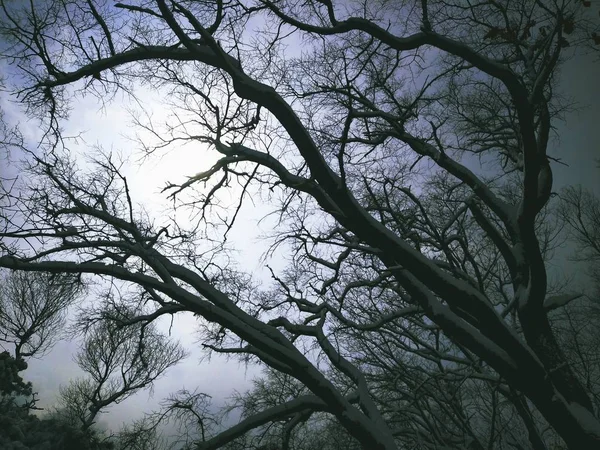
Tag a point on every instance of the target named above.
point(586, 419)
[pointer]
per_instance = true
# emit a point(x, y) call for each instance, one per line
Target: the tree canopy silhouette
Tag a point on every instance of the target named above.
point(404, 148)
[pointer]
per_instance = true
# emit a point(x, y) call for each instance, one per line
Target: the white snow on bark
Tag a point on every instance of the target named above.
point(558, 301)
point(586, 419)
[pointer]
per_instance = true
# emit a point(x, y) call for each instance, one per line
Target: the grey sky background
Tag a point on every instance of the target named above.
point(578, 146)
point(579, 136)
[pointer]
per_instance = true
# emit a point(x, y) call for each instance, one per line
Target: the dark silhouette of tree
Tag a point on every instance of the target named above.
point(580, 209)
point(12, 385)
point(118, 362)
point(577, 322)
point(21, 430)
point(404, 150)
point(33, 308)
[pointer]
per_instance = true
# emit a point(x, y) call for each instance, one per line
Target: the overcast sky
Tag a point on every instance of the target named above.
point(578, 146)
point(579, 136)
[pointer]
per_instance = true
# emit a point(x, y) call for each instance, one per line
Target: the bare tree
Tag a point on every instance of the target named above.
point(140, 435)
point(189, 416)
point(576, 323)
point(580, 209)
point(118, 361)
point(33, 308)
point(405, 150)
